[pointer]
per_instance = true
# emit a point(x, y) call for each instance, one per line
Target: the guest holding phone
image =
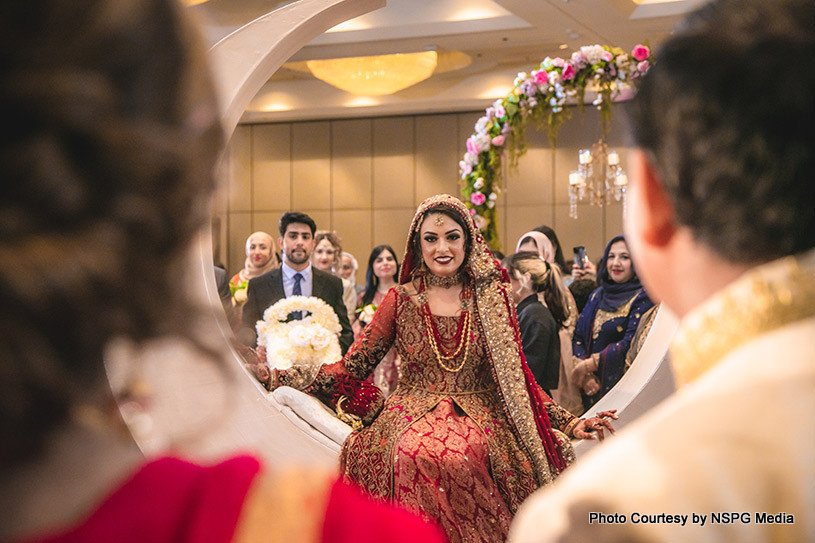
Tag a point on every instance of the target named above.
point(608, 323)
point(582, 267)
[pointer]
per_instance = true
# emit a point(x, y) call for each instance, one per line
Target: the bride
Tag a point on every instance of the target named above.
point(467, 435)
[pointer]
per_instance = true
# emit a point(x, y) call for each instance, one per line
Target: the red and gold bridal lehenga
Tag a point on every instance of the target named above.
point(464, 442)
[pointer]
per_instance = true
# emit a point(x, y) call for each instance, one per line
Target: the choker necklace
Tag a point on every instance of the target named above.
point(444, 282)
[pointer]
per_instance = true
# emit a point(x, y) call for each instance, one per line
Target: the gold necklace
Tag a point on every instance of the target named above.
point(462, 343)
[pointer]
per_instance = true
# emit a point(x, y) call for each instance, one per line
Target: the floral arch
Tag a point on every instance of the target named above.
point(539, 97)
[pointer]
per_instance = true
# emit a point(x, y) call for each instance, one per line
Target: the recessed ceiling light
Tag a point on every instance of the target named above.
point(563, 46)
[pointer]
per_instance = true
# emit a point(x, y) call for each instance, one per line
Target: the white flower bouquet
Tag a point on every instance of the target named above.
point(310, 342)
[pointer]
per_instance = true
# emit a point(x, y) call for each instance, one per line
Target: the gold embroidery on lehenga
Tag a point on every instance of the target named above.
point(510, 376)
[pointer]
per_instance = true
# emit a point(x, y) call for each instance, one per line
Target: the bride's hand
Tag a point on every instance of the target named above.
point(594, 426)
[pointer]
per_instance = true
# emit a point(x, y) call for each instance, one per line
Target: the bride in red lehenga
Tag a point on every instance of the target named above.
point(468, 434)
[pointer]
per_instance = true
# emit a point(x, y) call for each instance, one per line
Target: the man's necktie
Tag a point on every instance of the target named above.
point(297, 291)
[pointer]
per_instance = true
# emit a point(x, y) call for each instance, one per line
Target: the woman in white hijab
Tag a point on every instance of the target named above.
point(537, 243)
point(567, 393)
point(260, 258)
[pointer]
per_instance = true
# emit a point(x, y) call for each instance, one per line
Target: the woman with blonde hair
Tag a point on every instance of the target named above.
point(568, 392)
point(532, 277)
point(327, 256)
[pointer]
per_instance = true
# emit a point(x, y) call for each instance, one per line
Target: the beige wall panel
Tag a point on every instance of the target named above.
point(531, 182)
point(240, 226)
point(355, 230)
point(586, 230)
point(351, 168)
point(391, 227)
point(566, 161)
point(500, 216)
point(311, 166)
point(614, 220)
point(393, 162)
point(267, 221)
point(466, 128)
point(437, 151)
point(522, 219)
point(271, 163)
point(220, 211)
point(320, 216)
point(240, 170)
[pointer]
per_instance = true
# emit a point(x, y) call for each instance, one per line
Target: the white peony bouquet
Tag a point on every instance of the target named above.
point(309, 342)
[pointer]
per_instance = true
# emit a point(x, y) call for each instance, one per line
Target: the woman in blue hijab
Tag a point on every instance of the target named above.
point(608, 322)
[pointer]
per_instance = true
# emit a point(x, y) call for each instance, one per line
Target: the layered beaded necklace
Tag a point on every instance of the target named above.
point(448, 349)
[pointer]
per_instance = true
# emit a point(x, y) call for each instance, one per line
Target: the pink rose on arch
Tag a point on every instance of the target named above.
point(568, 72)
point(498, 141)
point(643, 66)
point(640, 52)
point(540, 77)
point(465, 168)
point(472, 146)
point(558, 62)
point(473, 212)
point(607, 56)
point(477, 198)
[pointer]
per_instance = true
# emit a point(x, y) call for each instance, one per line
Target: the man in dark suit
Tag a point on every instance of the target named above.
point(295, 277)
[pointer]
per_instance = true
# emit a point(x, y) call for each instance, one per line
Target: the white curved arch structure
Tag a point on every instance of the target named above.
point(217, 409)
point(646, 383)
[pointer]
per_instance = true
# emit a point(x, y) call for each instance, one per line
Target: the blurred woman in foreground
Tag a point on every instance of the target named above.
point(111, 135)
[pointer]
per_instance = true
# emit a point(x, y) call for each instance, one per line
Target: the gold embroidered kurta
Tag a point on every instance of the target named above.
point(727, 441)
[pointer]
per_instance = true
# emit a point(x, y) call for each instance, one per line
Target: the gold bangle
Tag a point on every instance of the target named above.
point(351, 420)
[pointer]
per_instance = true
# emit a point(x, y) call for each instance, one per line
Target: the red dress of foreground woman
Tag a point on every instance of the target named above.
point(231, 501)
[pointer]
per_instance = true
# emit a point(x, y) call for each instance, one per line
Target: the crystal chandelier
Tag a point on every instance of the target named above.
point(598, 176)
point(377, 75)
